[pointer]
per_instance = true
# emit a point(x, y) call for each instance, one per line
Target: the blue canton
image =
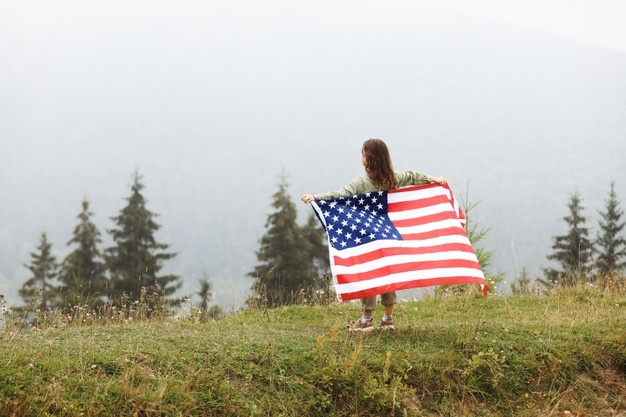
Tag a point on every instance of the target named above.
point(358, 219)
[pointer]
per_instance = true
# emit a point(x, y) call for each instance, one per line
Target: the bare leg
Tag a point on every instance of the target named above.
point(389, 310)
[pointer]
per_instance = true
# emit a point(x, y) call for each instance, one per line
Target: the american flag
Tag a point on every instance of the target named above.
point(395, 240)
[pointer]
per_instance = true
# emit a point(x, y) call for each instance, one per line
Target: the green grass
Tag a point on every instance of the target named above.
point(458, 356)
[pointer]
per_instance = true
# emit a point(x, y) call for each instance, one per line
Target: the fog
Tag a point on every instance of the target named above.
point(213, 101)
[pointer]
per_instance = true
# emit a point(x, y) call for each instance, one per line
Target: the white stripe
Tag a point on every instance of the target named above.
point(408, 276)
point(429, 227)
point(402, 259)
point(384, 244)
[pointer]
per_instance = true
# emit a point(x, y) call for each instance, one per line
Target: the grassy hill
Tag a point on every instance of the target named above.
point(523, 355)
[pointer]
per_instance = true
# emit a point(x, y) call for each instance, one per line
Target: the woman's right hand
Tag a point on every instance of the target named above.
point(307, 198)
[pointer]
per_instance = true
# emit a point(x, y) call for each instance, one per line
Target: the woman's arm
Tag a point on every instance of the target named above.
point(356, 186)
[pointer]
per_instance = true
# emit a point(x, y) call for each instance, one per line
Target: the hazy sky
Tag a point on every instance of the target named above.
point(599, 22)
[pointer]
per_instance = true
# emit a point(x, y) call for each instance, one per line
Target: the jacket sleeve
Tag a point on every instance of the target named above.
point(356, 186)
point(412, 178)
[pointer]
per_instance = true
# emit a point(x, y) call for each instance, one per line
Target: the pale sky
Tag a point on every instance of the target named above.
point(598, 22)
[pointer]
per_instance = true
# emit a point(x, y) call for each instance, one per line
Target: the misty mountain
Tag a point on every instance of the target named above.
point(213, 115)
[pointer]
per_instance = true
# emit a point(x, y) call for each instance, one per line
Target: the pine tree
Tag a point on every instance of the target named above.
point(82, 272)
point(572, 251)
point(286, 264)
point(41, 286)
point(610, 243)
point(136, 259)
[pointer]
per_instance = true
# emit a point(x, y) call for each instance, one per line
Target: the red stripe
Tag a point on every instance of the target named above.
point(417, 204)
point(399, 250)
point(399, 286)
point(406, 267)
point(418, 187)
point(418, 221)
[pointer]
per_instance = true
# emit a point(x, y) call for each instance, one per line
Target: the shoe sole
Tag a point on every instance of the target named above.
point(363, 330)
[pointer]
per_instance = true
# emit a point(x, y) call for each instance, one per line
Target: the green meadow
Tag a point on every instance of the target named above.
point(561, 354)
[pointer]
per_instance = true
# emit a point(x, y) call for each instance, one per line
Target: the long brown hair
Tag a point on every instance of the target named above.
point(378, 164)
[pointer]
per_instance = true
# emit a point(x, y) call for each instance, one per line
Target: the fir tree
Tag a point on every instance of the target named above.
point(286, 263)
point(82, 272)
point(610, 243)
point(572, 251)
point(136, 259)
point(41, 287)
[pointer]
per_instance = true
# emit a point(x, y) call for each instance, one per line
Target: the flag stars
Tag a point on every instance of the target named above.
point(356, 220)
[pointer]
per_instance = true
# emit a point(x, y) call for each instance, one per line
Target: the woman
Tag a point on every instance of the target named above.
point(379, 175)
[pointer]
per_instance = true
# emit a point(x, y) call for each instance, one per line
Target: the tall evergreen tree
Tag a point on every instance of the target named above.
point(82, 276)
point(135, 260)
point(286, 264)
point(572, 251)
point(41, 286)
point(610, 243)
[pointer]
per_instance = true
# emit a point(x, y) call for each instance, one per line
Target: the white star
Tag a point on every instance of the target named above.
point(357, 240)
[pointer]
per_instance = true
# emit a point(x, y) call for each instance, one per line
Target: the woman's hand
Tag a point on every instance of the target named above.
point(307, 198)
point(439, 180)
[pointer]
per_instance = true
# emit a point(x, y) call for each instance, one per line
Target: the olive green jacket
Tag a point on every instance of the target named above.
point(363, 184)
